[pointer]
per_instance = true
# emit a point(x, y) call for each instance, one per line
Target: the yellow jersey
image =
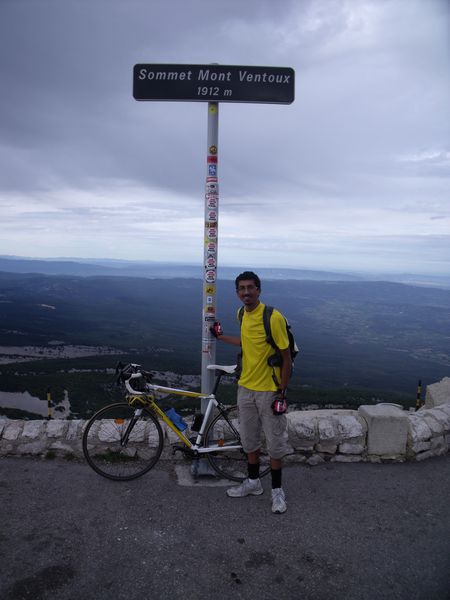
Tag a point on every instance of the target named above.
point(256, 373)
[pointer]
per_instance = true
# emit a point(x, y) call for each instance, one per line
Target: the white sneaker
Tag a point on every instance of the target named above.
point(249, 487)
point(278, 501)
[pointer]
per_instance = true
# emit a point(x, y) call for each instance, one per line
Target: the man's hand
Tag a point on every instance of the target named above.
point(216, 329)
point(279, 405)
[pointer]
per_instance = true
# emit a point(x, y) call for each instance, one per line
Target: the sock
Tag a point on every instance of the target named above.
point(253, 471)
point(276, 478)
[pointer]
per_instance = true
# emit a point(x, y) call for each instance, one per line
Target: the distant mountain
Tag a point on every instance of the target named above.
point(148, 269)
point(158, 270)
point(375, 335)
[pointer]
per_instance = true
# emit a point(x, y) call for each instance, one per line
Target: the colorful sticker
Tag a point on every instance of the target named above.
point(212, 187)
point(212, 109)
point(210, 276)
point(210, 262)
point(213, 149)
point(212, 159)
point(208, 318)
point(211, 247)
point(212, 215)
point(211, 202)
point(210, 310)
point(210, 289)
point(212, 233)
point(209, 300)
point(212, 170)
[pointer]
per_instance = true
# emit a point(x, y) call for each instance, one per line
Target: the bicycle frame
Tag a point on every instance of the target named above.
point(148, 399)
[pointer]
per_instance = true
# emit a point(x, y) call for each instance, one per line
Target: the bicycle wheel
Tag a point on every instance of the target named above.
point(120, 444)
point(223, 431)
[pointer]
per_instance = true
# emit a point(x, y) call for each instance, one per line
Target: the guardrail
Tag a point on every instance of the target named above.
point(378, 433)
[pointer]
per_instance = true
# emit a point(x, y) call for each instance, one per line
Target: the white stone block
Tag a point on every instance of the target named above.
point(437, 428)
point(346, 458)
point(314, 460)
point(326, 447)
point(74, 429)
point(302, 427)
point(13, 430)
point(326, 429)
point(439, 445)
point(387, 429)
point(349, 448)
point(445, 408)
point(32, 429)
point(442, 417)
point(438, 393)
point(6, 448)
point(34, 448)
point(417, 447)
point(56, 428)
point(374, 459)
point(61, 447)
point(425, 455)
point(350, 426)
point(295, 457)
point(418, 429)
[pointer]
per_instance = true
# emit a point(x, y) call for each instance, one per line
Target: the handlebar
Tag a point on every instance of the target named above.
point(133, 371)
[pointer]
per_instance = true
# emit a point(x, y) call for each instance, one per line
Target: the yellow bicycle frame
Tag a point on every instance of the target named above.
point(149, 400)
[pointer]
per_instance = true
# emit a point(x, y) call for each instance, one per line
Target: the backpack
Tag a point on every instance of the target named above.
point(276, 359)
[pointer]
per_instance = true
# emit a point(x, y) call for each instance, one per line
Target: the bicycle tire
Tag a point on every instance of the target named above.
point(231, 465)
point(102, 446)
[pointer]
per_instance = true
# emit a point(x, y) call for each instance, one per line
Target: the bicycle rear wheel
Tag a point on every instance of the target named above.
point(223, 431)
point(122, 442)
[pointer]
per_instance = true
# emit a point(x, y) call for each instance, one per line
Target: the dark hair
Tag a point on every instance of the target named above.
point(248, 275)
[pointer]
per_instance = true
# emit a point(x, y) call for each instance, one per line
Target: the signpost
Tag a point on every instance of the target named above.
point(213, 84)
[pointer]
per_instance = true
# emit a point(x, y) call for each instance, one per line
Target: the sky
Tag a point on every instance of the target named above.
point(352, 176)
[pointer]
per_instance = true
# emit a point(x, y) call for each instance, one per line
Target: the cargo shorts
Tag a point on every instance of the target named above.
point(258, 426)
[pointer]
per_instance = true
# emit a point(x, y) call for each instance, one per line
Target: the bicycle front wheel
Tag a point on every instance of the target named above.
point(223, 432)
point(122, 442)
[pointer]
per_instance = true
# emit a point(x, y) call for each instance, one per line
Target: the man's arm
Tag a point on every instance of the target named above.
point(217, 332)
point(286, 368)
point(230, 339)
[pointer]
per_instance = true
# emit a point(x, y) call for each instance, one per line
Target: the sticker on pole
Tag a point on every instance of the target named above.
point(210, 276)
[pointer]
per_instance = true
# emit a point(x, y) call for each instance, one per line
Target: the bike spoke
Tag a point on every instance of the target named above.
point(120, 445)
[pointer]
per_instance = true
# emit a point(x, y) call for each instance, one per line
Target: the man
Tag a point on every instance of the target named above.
point(261, 390)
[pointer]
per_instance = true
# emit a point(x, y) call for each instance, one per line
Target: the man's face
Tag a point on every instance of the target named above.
point(248, 293)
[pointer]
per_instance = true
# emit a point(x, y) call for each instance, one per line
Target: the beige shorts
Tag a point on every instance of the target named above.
point(259, 426)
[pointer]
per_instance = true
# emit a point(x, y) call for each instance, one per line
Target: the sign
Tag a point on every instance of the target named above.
point(214, 83)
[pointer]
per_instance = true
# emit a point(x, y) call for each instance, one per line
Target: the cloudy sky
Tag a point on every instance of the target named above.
point(354, 175)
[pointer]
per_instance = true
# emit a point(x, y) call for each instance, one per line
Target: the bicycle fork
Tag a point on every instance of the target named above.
point(124, 439)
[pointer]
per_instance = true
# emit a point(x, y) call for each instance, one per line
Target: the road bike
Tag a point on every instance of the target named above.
point(124, 440)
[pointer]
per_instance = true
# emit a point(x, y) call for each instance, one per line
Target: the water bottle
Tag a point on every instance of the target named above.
point(176, 419)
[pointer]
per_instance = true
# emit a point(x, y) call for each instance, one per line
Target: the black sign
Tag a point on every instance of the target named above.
point(214, 83)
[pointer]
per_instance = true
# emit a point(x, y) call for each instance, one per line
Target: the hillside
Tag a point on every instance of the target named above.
point(354, 335)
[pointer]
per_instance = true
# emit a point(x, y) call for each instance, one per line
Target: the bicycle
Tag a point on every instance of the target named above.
point(123, 441)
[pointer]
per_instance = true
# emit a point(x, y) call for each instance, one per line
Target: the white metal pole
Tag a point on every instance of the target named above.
point(210, 250)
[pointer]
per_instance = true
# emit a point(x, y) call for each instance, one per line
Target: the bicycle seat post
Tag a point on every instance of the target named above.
point(216, 384)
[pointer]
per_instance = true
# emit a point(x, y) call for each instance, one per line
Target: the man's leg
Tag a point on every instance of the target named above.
point(250, 437)
point(275, 429)
point(278, 498)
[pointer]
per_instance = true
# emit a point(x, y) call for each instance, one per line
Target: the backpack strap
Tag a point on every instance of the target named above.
point(267, 313)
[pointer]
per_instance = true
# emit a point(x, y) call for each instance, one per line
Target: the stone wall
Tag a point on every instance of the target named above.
point(379, 433)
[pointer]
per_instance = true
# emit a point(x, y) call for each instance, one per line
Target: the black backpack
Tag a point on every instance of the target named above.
point(276, 359)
